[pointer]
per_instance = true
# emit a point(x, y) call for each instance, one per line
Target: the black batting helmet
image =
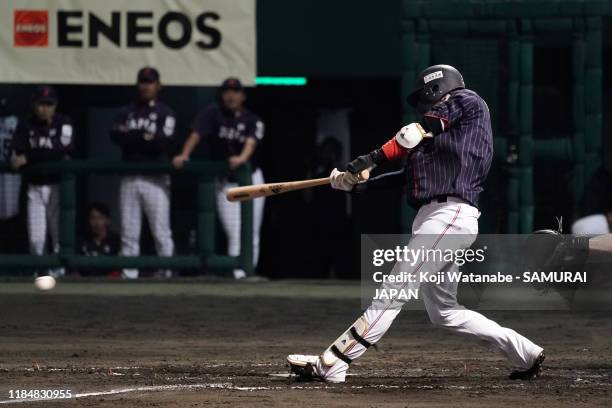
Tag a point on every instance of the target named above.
point(432, 84)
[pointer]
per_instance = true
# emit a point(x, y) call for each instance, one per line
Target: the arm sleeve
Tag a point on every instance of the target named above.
point(63, 146)
point(256, 129)
point(447, 113)
point(393, 150)
point(66, 140)
point(164, 138)
point(169, 126)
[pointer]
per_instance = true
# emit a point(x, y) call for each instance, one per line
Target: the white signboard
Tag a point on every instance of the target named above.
point(191, 42)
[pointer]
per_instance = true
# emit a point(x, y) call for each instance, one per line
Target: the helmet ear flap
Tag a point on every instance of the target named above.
point(433, 83)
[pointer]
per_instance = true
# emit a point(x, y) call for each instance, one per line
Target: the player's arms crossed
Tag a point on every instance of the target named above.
point(120, 134)
point(57, 148)
point(162, 140)
point(142, 139)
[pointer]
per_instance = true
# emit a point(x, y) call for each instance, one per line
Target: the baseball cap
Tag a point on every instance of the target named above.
point(100, 207)
point(148, 74)
point(46, 94)
point(231, 83)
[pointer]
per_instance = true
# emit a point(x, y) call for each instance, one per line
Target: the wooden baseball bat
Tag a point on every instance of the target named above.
point(264, 190)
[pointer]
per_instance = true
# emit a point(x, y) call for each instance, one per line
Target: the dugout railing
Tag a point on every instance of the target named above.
point(205, 172)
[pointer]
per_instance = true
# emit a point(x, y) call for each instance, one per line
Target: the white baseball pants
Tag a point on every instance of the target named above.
point(43, 214)
point(149, 195)
point(229, 214)
point(433, 227)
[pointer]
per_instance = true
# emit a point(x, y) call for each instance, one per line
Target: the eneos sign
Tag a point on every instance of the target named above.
point(191, 42)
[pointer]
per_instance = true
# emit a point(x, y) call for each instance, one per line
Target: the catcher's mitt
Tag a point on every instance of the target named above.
point(550, 251)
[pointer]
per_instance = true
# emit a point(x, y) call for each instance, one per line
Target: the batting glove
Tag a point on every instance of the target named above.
point(343, 180)
point(411, 135)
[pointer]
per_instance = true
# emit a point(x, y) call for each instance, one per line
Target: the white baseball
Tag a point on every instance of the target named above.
point(44, 282)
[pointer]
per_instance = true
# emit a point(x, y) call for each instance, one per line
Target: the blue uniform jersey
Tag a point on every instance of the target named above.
point(44, 141)
point(226, 132)
point(145, 131)
point(455, 162)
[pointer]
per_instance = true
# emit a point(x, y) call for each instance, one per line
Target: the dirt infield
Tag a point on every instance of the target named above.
point(196, 344)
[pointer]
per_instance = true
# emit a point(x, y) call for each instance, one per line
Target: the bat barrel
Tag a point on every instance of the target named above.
point(265, 190)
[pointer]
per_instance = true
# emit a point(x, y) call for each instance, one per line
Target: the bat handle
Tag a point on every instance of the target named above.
point(364, 175)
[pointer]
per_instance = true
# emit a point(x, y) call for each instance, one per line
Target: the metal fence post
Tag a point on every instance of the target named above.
point(206, 216)
point(246, 225)
point(67, 219)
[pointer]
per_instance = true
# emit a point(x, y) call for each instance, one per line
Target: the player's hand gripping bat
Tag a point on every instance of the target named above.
point(264, 190)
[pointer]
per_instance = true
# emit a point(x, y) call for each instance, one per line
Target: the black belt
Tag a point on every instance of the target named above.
point(442, 199)
point(437, 199)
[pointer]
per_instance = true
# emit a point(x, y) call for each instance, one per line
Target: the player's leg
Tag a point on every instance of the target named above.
point(229, 215)
point(376, 320)
point(131, 221)
point(37, 223)
point(443, 309)
point(156, 205)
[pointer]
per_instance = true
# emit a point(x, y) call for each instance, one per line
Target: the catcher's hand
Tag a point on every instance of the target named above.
point(550, 251)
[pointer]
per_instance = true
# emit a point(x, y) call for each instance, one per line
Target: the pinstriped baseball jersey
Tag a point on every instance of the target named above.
point(145, 131)
point(455, 162)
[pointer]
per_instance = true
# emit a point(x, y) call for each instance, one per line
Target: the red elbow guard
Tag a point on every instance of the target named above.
point(393, 150)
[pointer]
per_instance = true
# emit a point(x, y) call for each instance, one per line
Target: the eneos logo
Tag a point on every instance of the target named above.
point(31, 28)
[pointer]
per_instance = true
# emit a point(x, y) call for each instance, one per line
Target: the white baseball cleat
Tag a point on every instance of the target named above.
point(306, 368)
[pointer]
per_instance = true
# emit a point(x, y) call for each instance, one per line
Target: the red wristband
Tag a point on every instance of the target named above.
point(393, 150)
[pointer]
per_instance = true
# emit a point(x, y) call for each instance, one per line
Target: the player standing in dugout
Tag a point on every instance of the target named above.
point(233, 133)
point(144, 130)
point(43, 137)
point(449, 154)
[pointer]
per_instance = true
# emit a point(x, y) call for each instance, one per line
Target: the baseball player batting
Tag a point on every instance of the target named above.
point(145, 132)
point(449, 153)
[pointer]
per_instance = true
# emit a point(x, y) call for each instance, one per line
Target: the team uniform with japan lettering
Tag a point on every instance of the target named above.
point(145, 132)
point(449, 154)
point(41, 141)
point(227, 132)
